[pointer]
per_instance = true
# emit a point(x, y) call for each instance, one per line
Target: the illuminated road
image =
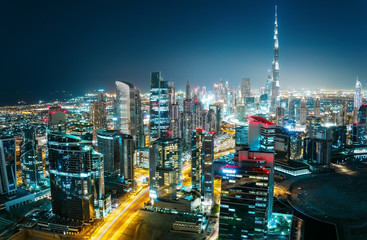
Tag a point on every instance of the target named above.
point(120, 223)
point(115, 224)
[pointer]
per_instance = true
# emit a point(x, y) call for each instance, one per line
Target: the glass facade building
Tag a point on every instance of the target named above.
point(31, 161)
point(128, 112)
point(165, 168)
point(159, 108)
point(118, 152)
point(246, 195)
point(76, 177)
point(8, 168)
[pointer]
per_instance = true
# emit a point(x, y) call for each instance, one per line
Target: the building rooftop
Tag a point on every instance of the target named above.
point(260, 119)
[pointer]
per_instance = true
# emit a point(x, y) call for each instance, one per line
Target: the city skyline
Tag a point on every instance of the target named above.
point(79, 47)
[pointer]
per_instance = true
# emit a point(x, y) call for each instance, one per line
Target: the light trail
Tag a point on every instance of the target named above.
point(142, 193)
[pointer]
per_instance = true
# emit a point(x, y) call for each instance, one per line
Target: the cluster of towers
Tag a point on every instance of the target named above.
point(177, 126)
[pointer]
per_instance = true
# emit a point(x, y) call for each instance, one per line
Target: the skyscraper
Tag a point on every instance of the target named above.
point(207, 182)
point(128, 112)
point(175, 121)
point(118, 152)
point(76, 173)
point(56, 120)
point(245, 89)
point(188, 90)
point(98, 114)
point(279, 116)
point(164, 168)
point(196, 159)
point(261, 134)
point(303, 112)
point(31, 160)
point(358, 96)
point(275, 81)
point(159, 107)
point(8, 171)
point(246, 195)
point(317, 107)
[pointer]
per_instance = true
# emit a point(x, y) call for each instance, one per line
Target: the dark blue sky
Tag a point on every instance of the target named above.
point(78, 46)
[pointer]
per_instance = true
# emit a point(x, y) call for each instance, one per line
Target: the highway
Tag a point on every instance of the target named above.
point(119, 219)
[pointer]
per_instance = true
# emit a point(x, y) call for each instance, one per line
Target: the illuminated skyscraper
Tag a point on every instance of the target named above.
point(207, 182)
point(279, 116)
point(261, 134)
point(245, 89)
point(358, 95)
point(275, 81)
point(317, 107)
point(56, 120)
point(246, 195)
point(164, 168)
point(98, 114)
point(8, 168)
point(118, 152)
point(31, 161)
point(159, 108)
point(76, 173)
point(175, 121)
point(303, 112)
point(188, 90)
point(128, 112)
point(196, 159)
point(76, 181)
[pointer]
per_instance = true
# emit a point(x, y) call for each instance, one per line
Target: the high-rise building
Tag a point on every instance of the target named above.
point(118, 152)
point(175, 121)
point(245, 89)
point(303, 112)
point(217, 120)
point(164, 169)
point(279, 116)
point(56, 120)
point(317, 107)
point(246, 195)
point(128, 112)
point(275, 81)
point(31, 160)
point(98, 114)
point(207, 182)
point(76, 177)
point(188, 90)
point(291, 108)
point(362, 114)
point(261, 134)
point(159, 108)
point(241, 135)
point(187, 121)
point(196, 159)
point(358, 95)
point(8, 167)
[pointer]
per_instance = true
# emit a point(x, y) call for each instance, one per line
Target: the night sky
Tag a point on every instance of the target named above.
point(79, 46)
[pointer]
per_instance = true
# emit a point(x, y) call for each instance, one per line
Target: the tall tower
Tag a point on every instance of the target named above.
point(98, 114)
point(188, 90)
point(159, 107)
point(358, 97)
point(245, 89)
point(128, 112)
point(275, 82)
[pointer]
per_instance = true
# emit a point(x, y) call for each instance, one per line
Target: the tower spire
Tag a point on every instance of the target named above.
point(275, 81)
